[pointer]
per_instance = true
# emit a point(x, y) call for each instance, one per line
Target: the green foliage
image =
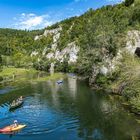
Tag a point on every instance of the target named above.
point(62, 66)
point(41, 65)
point(101, 80)
point(136, 15)
point(128, 2)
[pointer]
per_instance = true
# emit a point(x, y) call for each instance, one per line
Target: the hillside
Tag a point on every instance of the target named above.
point(93, 45)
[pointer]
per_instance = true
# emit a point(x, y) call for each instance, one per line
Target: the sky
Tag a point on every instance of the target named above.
point(37, 14)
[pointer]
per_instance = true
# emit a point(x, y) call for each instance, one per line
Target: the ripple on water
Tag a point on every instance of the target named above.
point(40, 118)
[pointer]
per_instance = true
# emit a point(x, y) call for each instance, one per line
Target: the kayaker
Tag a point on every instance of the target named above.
point(15, 124)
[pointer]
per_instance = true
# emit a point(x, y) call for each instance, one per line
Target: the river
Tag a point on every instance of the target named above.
point(68, 111)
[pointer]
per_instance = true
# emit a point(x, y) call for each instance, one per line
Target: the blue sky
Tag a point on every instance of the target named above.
point(36, 14)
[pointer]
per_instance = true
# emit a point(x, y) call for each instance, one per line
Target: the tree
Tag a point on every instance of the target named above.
point(17, 58)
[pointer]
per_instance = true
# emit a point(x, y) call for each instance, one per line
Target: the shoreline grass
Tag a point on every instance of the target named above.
point(9, 72)
point(14, 76)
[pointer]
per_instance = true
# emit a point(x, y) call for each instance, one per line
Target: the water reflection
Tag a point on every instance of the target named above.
point(72, 84)
point(54, 88)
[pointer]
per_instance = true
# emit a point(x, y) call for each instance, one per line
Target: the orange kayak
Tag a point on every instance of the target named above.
point(11, 129)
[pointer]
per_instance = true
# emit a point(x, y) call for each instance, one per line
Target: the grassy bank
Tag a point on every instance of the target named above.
point(127, 83)
point(20, 75)
point(11, 75)
point(9, 72)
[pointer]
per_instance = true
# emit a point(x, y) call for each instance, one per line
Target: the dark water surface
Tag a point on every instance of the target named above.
point(71, 111)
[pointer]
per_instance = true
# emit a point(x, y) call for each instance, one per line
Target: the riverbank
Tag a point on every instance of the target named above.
point(18, 75)
point(10, 71)
point(12, 74)
point(126, 82)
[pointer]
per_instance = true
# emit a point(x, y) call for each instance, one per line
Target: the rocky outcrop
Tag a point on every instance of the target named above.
point(56, 36)
point(133, 41)
point(52, 32)
point(38, 37)
point(71, 51)
point(109, 64)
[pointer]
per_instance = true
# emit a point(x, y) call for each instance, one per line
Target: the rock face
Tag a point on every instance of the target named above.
point(133, 41)
point(109, 64)
point(54, 53)
point(53, 31)
point(71, 51)
point(38, 37)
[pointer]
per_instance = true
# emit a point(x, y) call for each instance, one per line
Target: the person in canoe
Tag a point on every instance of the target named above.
point(20, 99)
point(13, 103)
point(16, 103)
point(15, 124)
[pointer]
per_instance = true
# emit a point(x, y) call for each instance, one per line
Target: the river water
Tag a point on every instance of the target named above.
point(68, 111)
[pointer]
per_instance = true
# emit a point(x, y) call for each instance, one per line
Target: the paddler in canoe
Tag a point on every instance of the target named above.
point(14, 127)
point(16, 103)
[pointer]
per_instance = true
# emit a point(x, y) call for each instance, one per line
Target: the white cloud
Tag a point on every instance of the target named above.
point(23, 14)
point(115, 1)
point(32, 21)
